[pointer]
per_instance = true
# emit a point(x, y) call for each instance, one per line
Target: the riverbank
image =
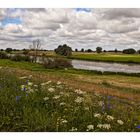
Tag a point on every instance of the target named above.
point(121, 85)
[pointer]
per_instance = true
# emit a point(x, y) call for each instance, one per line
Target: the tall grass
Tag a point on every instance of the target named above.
point(31, 105)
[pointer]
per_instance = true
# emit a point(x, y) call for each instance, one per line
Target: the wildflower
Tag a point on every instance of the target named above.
point(86, 108)
point(79, 91)
point(56, 97)
point(61, 104)
point(138, 126)
point(79, 100)
point(120, 122)
point(46, 98)
point(36, 86)
point(30, 83)
point(96, 115)
point(58, 83)
point(64, 121)
point(104, 126)
point(30, 90)
point(23, 88)
point(51, 89)
point(18, 98)
point(48, 82)
point(101, 103)
point(73, 129)
point(110, 118)
point(90, 127)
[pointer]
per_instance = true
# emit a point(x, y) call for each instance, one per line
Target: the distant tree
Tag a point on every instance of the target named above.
point(115, 50)
point(36, 46)
point(129, 51)
point(64, 50)
point(82, 50)
point(8, 50)
point(76, 50)
point(99, 49)
point(104, 50)
point(88, 50)
point(1, 50)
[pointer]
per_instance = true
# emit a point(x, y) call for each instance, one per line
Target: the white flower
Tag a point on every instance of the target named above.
point(30, 83)
point(56, 97)
point(48, 82)
point(104, 126)
point(79, 100)
point(23, 87)
point(101, 103)
point(79, 91)
point(90, 127)
point(35, 85)
point(61, 104)
point(97, 115)
point(58, 83)
point(120, 122)
point(30, 90)
point(64, 121)
point(110, 118)
point(46, 98)
point(73, 129)
point(51, 89)
point(86, 108)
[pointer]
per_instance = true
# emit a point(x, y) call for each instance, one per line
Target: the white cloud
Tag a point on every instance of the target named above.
point(108, 28)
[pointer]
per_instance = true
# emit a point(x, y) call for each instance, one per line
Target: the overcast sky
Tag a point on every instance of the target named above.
point(79, 28)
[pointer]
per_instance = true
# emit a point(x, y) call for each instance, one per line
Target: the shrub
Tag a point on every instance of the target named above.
point(57, 63)
point(129, 51)
point(8, 50)
point(20, 58)
point(3, 55)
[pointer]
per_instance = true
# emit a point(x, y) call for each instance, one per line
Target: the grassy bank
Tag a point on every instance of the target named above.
point(121, 58)
point(43, 102)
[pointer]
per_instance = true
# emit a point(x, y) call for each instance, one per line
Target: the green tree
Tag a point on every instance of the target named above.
point(64, 50)
point(129, 51)
point(99, 49)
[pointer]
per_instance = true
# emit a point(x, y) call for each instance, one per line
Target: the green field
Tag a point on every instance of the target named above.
point(37, 99)
point(107, 57)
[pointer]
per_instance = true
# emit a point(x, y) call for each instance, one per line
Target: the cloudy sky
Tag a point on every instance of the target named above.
point(79, 28)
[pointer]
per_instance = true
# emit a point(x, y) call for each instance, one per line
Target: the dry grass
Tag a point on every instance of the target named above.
point(91, 83)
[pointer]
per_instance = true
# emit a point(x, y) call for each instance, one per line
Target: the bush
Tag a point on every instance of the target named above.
point(57, 63)
point(8, 50)
point(64, 50)
point(3, 55)
point(129, 51)
point(20, 58)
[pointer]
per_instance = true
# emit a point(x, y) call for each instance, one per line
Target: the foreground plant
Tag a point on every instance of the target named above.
point(29, 105)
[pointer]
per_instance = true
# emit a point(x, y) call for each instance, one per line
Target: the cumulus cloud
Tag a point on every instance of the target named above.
point(84, 28)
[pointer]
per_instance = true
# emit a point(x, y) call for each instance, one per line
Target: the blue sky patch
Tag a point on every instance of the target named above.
point(8, 20)
point(83, 9)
